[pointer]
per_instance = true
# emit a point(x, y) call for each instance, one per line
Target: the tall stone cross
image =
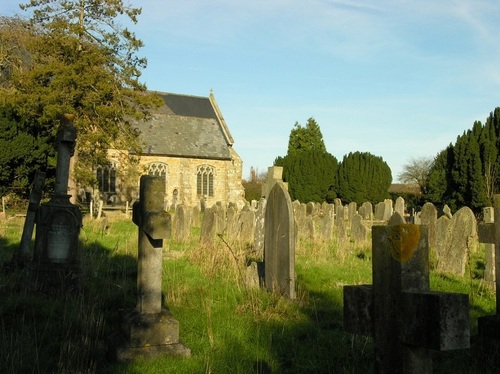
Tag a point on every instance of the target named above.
point(489, 232)
point(399, 311)
point(154, 225)
point(149, 329)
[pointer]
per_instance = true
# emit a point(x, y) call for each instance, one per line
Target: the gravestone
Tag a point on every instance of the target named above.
point(490, 233)
point(232, 224)
point(461, 240)
point(246, 224)
point(442, 233)
point(58, 222)
point(367, 210)
point(149, 329)
point(209, 228)
point(274, 174)
point(327, 226)
point(260, 216)
point(399, 206)
point(29, 223)
point(380, 211)
point(359, 232)
point(352, 209)
point(195, 216)
point(428, 216)
point(182, 224)
point(406, 319)
point(279, 239)
point(387, 210)
point(489, 251)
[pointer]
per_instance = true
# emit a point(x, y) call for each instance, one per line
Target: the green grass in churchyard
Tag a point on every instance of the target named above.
point(229, 327)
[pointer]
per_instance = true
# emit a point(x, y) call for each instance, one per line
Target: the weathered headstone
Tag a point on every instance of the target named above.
point(279, 247)
point(461, 240)
point(489, 232)
point(405, 318)
point(149, 329)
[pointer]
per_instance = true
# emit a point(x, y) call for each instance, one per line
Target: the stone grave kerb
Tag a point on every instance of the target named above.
point(279, 243)
point(489, 232)
point(406, 320)
point(149, 329)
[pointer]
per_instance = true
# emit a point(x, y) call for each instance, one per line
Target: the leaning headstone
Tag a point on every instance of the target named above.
point(279, 247)
point(406, 319)
point(489, 232)
point(149, 329)
point(29, 223)
point(461, 240)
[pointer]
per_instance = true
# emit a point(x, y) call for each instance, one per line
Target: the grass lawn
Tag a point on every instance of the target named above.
point(229, 327)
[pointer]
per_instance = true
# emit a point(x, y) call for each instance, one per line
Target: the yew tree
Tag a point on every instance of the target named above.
point(81, 61)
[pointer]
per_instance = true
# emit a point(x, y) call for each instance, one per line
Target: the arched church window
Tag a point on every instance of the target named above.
point(205, 180)
point(158, 169)
point(106, 178)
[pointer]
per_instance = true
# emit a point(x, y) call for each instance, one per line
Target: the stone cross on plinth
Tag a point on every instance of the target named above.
point(149, 329)
point(58, 221)
point(405, 318)
point(489, 232)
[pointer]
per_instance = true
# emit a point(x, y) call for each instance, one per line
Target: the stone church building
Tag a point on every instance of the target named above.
point(187, 142)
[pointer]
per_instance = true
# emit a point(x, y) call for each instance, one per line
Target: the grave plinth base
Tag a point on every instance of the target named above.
point(55, 277)
point(489, 326)
point(146, 335)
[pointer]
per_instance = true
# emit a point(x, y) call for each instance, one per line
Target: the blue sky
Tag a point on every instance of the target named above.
point(396, 78)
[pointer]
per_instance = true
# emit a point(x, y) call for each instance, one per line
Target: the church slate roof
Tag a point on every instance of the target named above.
point(186, 126)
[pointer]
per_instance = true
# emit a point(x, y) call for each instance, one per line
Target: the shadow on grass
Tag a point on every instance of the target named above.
point(52, 331)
